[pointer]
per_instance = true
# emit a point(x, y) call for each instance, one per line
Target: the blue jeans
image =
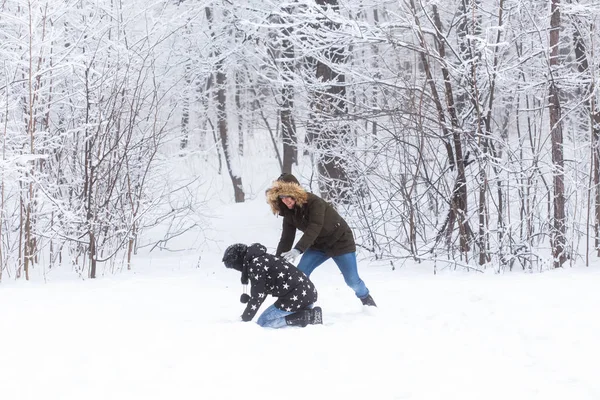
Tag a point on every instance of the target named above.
point(311, 259)
point(273, 317)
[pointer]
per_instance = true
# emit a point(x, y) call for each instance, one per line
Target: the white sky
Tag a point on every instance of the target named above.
point(170, 329)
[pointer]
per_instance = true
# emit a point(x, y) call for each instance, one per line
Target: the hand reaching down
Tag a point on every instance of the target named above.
point(291, 255)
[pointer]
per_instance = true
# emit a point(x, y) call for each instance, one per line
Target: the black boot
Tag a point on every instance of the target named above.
point(300, 318)
point(316, 316)
point(368, 301)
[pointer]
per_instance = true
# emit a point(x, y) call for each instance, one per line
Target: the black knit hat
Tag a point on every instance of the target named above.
point(288, 178)
point(234, 256)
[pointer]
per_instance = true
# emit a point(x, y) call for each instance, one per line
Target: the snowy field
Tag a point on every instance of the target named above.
point(170, 329)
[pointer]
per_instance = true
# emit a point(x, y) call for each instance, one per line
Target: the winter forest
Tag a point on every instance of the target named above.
point(462, 131)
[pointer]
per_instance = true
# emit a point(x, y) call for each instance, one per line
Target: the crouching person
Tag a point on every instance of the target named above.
point(272, 275)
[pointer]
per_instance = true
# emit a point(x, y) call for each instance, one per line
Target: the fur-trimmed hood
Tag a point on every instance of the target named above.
point(291, 189)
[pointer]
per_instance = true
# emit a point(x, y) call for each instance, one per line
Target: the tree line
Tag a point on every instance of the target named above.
point(464, 132)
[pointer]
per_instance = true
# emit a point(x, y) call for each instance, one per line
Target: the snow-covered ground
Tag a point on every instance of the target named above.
point(170, 329)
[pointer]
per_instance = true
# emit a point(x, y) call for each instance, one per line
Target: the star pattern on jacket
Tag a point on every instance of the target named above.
point(272, 275)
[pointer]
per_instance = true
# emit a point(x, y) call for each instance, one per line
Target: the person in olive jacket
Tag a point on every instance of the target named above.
point(325, 233)
point(271, 275)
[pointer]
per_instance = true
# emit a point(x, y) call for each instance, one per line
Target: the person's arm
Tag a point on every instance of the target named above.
point(288, 234)
point(316, 218)
point(257, 296)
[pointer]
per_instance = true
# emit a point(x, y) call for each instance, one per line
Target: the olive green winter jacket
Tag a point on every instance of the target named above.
point(324, 229)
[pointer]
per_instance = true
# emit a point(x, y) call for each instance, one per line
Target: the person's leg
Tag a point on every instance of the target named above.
point(347, 265)
point(311, 315)
point(273, 317)
point(310, 260)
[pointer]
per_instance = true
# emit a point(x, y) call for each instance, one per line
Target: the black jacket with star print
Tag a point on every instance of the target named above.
point(272, 275)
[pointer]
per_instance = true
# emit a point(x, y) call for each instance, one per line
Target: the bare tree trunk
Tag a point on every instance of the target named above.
point(331, 107)
point(488, 146)
point(185, 108)
point(88, 188)
point(221, 81)
point(596, 157)
point(206, 97)
point(239, 95)
point(273, 134)
point(224, 133)
point(434, 92)
point(459, 201)
point(449, 221)
point(594, 116)
point(29, 245)
point(559, 230)
point(288, 126)
point(2, 194)
point(469, 28)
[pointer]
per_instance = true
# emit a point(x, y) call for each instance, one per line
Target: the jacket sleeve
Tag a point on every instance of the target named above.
point(288, 234)
point(257, 296)
point(316, 219)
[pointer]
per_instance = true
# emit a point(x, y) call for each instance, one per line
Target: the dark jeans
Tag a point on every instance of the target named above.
point(311, 259)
